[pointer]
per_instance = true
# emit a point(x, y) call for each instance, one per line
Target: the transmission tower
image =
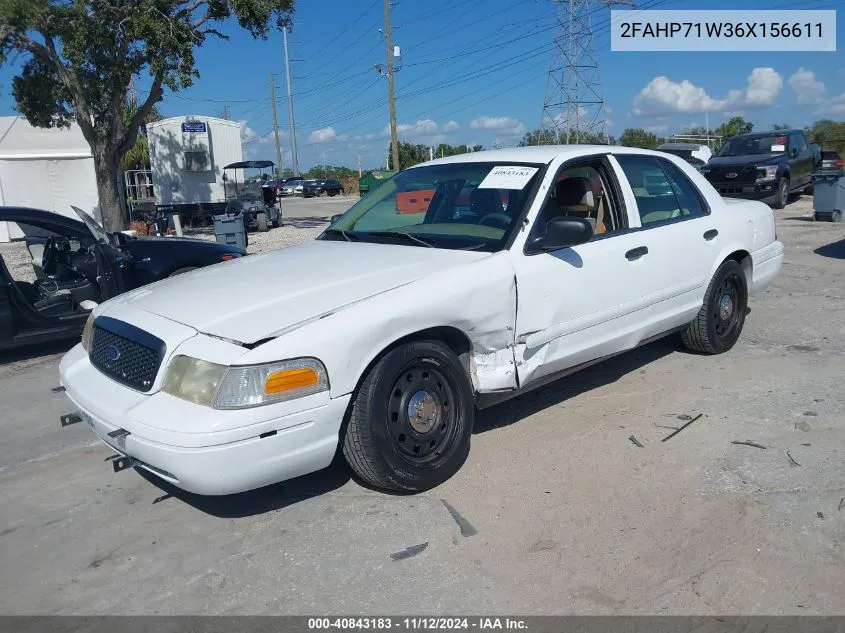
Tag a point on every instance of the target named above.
point(573, 108)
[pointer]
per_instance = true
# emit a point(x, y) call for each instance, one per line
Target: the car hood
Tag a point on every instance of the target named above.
point(258, 297)
point(749, 160)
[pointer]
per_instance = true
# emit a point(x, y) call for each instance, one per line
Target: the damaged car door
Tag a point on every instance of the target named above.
point(586, 298)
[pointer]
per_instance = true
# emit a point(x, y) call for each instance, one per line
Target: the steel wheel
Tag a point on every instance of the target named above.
point(411, 418)
point(420, 417)
point(726, 307)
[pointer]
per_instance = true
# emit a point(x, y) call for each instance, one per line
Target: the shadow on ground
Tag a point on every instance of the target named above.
point(33, 352)
point(835, 250)
point(575, 384)
point(279, 496)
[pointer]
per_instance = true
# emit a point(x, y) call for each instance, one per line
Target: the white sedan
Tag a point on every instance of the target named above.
point(456, 284)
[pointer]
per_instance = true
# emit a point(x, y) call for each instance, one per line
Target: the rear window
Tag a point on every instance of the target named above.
point(830, 155)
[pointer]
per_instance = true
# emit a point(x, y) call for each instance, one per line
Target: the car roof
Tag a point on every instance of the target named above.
point(544, 154)
point(45, 219)
point(691, 146)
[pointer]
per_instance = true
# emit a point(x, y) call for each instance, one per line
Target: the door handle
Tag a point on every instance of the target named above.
point(636, 253)
point(711, 234)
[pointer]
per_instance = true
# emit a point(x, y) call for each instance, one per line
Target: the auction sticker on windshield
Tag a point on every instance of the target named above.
point(504, 177)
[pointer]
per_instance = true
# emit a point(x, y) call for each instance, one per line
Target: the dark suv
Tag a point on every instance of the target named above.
point(328, 187)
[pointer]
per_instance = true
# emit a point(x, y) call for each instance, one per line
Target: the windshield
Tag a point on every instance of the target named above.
point(749, 145)
point(96, 230)
point(686, 154)
point(457, 206)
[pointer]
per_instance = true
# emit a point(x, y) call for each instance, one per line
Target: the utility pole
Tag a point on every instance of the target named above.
point(279, 169)
point(360, 171)
point(294, 161)
point(394, 141)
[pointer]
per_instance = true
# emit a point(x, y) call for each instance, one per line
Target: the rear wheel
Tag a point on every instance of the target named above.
point(332, 193)
point(722, 316)
point(261, 220)
point(411, 419)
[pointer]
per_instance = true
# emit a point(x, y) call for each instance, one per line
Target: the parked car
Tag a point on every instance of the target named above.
point(767, 166)
point(320, 187)
point(289, 188)
point(278, 185)
point(695, 154)
point(77, 265)
point(831, 161)
point(383, 335)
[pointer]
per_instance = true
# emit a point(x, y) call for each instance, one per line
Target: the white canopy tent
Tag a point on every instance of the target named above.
point(44, 168)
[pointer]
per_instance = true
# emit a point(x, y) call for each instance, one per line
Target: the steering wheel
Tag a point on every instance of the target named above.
point(496, 220)
point(49, 257)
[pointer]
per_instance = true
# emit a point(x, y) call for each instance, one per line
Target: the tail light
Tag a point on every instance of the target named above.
point(229, 256)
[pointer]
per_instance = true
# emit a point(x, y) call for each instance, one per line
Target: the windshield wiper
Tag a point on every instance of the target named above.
point(347, 236)
point(404, 236)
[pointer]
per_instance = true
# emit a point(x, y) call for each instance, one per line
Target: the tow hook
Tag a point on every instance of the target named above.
point(70, 418)
point(122, 463)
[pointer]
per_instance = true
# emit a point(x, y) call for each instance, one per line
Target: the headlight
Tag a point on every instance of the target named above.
point(222, 387)
point(193, 380)
point(767, 173)
point(86, 332)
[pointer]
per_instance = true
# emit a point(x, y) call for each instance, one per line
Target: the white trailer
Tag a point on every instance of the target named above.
point(187, 156)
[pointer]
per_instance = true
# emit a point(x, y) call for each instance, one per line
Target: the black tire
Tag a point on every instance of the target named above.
point(261, 221)
point(719, 322)
point(385, 446)
point(782, 195)
point(332, 193)
point(182, 271)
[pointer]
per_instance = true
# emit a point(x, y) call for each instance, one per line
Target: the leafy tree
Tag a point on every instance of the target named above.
point(638, 137)
point(781, 126)
point(410, 154)
point(734, 127)
point(80, 57)
point(829, 134)
point(138, 156)
point(329, 171)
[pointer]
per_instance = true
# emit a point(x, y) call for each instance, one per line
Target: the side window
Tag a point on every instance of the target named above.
point(799, 142)
point(690, 201)
point(661, 190)
point(584, 191)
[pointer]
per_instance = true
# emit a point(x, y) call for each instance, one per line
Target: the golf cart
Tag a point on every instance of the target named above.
point(251, 199)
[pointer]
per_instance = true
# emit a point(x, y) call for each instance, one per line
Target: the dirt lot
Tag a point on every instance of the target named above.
point(556, 510)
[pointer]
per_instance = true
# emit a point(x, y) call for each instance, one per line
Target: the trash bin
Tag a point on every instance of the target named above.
point(229, 229)
point(829, 196)
point(372, 180)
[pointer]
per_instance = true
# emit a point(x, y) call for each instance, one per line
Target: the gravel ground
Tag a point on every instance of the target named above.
point(555, 511)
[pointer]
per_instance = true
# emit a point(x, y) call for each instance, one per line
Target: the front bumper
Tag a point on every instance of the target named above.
point(256, 447)
point(761, 191)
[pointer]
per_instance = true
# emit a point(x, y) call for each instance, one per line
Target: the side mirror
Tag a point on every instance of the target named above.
point(335, 218)
point(562, 232)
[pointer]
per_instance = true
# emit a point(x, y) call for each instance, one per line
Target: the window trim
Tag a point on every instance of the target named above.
point(669, 221)
point(614, 189)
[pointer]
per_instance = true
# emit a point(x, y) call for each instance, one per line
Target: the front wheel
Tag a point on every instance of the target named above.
point(782, 197)
point(411, 420)
point(261, 221)
point(719, 322)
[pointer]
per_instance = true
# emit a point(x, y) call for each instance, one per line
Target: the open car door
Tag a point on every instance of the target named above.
point(112, 261)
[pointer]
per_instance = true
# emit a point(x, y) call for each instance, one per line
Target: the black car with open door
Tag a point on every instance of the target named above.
point(77, 265)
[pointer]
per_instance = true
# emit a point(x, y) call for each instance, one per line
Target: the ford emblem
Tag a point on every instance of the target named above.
point(112, 352)
point(733, 174)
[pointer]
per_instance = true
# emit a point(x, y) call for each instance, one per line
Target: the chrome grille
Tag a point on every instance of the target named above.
point(125, 353)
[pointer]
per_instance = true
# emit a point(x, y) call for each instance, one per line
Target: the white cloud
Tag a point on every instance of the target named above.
point(662, 96)
point(323, 135)
point(657, 129)
point(807, 88)
point(811, 91)
point(507, 125)
point(451, 126)
point(424, 130)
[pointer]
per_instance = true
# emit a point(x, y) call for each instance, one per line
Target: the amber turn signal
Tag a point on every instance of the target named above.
point(281, 381)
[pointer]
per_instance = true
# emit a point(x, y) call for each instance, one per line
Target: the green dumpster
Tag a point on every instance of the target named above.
point(372, 180)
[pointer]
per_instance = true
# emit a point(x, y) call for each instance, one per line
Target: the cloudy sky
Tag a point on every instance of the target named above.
point(476, 72)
